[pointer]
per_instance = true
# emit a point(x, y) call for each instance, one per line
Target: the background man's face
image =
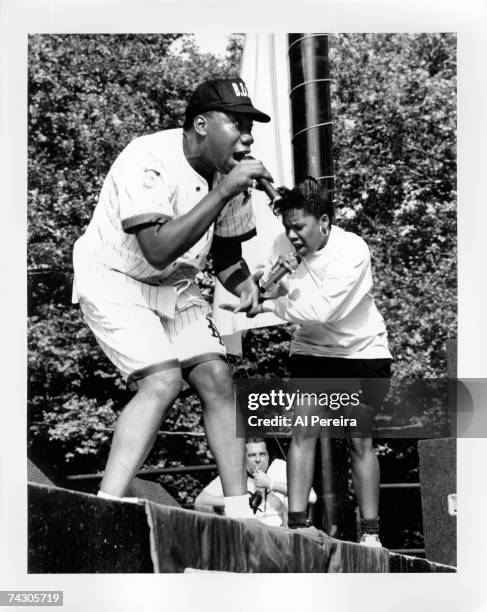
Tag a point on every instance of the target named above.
point(257, 457)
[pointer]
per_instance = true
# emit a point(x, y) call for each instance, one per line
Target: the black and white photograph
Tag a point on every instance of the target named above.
point(246, 302)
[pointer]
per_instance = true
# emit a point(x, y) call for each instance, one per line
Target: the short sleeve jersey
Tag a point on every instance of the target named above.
point(152, 182)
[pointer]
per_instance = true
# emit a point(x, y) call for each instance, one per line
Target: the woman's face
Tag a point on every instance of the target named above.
point(303, 230)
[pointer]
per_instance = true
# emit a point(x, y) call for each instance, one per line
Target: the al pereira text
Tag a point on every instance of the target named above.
point(300, 421)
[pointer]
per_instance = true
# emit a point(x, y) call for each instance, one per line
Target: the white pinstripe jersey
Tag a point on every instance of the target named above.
point(152, 181)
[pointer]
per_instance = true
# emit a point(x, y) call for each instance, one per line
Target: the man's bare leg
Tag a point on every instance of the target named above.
point(213, 383)
point(137, 427)
point(300, 470)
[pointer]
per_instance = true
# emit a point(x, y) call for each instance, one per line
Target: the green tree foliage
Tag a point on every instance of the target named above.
point(393, 102)
point(89, 96)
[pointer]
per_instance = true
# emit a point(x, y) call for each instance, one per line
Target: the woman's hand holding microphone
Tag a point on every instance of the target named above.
point(270, 282)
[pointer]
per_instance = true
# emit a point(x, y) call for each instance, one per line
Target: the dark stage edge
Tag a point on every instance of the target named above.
point(72, 532)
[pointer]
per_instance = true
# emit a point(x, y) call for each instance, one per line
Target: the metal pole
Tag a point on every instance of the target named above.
point(311, 120)
point(311, 129)
point(329, 497)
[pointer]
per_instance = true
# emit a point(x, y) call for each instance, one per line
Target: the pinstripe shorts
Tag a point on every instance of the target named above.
point(131, 322)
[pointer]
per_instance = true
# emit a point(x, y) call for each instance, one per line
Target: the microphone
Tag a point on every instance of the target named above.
point(271, 278)
point(267, 187)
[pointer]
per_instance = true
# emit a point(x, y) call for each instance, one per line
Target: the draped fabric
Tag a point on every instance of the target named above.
point(265, 72)
point(72, 532)
point(183, 540)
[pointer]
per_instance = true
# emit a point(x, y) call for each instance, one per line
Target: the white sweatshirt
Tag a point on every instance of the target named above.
point(329, 295)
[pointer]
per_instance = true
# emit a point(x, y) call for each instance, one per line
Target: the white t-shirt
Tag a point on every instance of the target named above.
point(273, 508)
point(151, 181)
point(330, 296)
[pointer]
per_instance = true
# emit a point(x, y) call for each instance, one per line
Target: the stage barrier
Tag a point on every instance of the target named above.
point(72, 532)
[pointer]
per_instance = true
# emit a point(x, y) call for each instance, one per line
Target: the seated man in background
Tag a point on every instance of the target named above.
point(266, 484)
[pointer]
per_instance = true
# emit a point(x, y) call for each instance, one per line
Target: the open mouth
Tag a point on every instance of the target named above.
point(239, 155)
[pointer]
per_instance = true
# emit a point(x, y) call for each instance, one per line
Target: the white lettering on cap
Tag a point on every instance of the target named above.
point(240, 89)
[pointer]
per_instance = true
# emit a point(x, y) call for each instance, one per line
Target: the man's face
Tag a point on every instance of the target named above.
point(228, 139)
point(257, 457)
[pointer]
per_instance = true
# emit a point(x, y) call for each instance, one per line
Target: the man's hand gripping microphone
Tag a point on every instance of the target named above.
point(267, 187)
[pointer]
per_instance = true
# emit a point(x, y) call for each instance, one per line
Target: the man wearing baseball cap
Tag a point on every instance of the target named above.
point(225, 95)
point(167, 200)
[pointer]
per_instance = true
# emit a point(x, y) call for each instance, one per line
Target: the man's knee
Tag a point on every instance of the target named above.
point(360, 447)
point(164, 386)
point(212, 378)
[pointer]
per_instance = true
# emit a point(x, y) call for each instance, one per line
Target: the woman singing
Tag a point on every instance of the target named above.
point(341, 334)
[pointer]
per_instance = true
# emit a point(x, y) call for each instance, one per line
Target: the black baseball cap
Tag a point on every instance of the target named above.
point(226, 95)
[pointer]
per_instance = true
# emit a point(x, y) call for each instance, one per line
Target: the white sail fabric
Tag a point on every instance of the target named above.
point(266, 74)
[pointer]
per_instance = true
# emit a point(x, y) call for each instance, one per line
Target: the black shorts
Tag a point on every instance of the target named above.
point(373, 392)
